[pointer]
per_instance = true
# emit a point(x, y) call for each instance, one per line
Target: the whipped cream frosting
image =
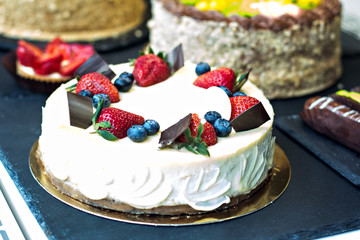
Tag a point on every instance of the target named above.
point(30, 71)
point(141, 175)
point(275, 9)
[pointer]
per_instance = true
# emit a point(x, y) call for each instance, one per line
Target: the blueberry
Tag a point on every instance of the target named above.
point(226, 90)
point(86, 93)
point(151, 127)
point(239, 94)
point(97, 98)
point(222, 127)
point(127, 74)
point(136, 133)
point(211, 116)
point(202, 68)
point(124, 82)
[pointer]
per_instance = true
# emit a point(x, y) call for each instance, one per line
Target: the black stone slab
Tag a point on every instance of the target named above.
point(340, 158)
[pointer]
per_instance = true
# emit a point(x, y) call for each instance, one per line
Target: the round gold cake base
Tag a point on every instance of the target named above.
point(263, 197)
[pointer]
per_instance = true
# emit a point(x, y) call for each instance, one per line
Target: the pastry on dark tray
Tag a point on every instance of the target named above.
point(336, 116)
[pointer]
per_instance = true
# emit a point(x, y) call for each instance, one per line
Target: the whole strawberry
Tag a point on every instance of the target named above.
point(208, 135)
point(98, 83)
point(150, 69)
point(119, 121)
point(219, 77)
point(241, 103)
point(193, 126)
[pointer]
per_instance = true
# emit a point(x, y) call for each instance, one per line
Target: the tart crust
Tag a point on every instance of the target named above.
point(40, 78)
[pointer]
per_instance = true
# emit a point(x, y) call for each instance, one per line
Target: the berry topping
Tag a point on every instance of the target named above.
point(240, 104)
point(124, 82)
point(47, 63)
point(100, 97)
point(212, 116)
point(98, 83)
point(208, 134)
point(239, 94)
point(70, 68)
point(136, 133)
point(86, 93)
point(52, 59)
point(219, 77)
point(222, 127)
point(202, 68)
point(150, 69)
point(151, 126)
point(27, 53)
point(127, 74)
point(115, 121)
point(226, 90)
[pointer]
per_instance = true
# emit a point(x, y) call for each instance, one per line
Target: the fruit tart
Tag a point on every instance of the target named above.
point(54, 64)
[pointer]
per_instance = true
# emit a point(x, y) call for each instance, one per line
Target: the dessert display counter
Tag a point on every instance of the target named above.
point(318, 201)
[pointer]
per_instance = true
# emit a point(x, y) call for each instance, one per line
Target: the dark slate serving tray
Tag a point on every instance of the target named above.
point(340, 158)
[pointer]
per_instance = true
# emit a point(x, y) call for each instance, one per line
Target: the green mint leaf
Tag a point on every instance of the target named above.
point(151, 51)
point(200, 130)
point(104, 124)
point(191, 149)
point(132, 61)
point(188, 136)
point(160, 55)
point(107, 135)
point(71, 88)
point(202, 149)
point(97, 112)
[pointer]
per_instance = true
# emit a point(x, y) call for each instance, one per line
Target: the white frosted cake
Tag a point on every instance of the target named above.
point(141, 178)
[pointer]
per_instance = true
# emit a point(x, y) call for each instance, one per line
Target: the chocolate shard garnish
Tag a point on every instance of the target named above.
point(251, 118)
point(175, 58)
point(168, 136)
point(95, 63)
point(80, 110)
point(239, 83)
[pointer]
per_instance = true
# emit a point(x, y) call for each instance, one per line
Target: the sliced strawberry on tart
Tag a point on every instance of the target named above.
point(56, 63)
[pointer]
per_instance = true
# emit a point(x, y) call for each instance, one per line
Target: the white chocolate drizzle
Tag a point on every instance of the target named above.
point(325, 101)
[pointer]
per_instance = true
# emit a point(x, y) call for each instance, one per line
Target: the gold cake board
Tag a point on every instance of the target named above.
point(277, 184)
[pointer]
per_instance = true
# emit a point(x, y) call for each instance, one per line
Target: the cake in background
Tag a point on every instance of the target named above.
point(293, 46)
point(72, 20)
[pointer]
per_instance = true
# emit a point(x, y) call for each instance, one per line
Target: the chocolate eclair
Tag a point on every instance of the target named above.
point(336, 116)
